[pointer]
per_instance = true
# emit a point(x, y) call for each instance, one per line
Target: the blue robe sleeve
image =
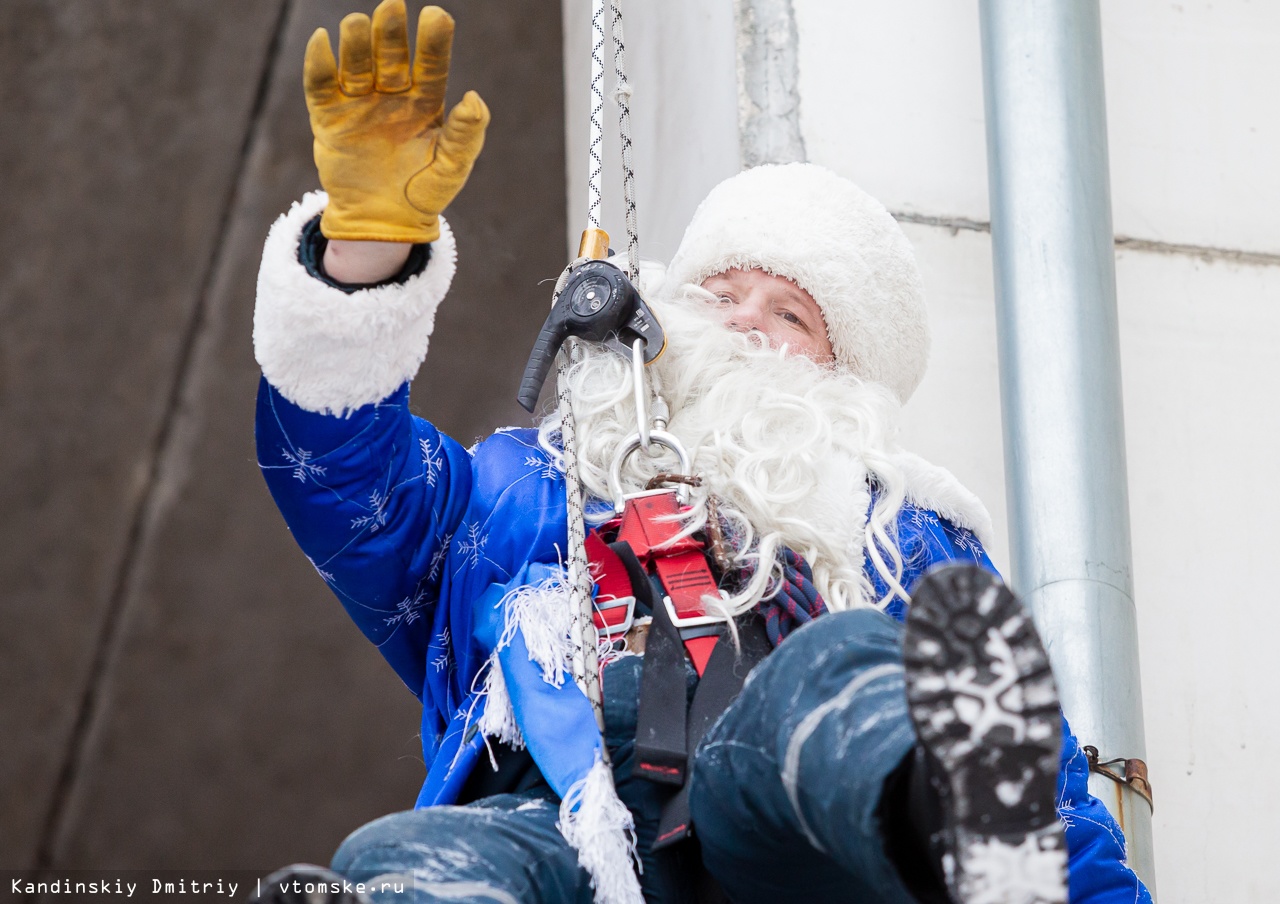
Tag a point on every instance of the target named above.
point(373, 500)
point(1096, 868)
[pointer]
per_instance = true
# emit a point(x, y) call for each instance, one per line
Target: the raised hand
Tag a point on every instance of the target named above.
point(387, 155)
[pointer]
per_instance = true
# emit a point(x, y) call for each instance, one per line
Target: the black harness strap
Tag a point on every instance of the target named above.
point(720, 685)
point(662, 747)
point(669, 728)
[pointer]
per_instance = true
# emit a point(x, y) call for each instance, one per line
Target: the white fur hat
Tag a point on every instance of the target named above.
point(836, 242)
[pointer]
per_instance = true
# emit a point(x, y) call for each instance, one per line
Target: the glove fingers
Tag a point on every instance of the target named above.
point(431, 63)
point(463, 134)
point(355, 55)
point(319, 71)
point(391, 47)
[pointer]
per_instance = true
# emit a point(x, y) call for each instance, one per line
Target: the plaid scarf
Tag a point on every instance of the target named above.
point(796, 602)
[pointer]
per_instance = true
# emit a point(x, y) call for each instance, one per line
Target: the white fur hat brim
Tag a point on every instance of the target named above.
point(819, 230)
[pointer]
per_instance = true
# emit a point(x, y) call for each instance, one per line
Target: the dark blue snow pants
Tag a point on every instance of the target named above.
point(784, 792)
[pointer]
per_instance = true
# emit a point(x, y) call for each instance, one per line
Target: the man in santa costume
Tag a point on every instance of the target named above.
point(860, 761)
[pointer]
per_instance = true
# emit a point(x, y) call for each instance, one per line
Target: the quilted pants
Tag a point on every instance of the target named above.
point(784, 794)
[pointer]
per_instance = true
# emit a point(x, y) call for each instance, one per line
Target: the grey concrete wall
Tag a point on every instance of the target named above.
point(177, 687)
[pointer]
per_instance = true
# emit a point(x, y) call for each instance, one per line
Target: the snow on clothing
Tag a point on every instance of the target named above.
point(428, 545)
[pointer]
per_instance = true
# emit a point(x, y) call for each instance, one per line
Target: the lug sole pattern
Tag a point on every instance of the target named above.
point(984, 703)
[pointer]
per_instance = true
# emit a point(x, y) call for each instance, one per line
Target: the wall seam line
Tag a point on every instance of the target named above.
point(109, 638)
point(1122, 242)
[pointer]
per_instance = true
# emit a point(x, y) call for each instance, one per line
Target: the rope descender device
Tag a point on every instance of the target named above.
point(598, 303)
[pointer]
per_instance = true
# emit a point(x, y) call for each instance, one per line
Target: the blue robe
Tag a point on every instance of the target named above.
point(421, 540)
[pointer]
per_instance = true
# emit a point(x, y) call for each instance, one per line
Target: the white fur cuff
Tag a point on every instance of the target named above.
point(933, 487)
point(332, 352)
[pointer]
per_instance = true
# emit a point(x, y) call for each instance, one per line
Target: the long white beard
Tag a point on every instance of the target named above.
point(785, 445)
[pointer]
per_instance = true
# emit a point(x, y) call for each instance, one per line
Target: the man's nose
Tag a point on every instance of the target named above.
point(745, 316)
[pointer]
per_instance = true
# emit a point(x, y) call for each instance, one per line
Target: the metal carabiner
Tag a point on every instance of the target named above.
point(641, 392)
point(634, 443)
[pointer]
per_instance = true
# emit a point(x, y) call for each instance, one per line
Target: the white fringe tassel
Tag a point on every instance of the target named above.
point(602, 831)
point(499, 718)
point(543, 613)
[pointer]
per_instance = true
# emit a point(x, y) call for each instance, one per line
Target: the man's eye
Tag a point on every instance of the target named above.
point(724, 299)
point(791, 318)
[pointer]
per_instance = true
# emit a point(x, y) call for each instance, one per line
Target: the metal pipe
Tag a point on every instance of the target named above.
point(768, 83)
point(1059, 353)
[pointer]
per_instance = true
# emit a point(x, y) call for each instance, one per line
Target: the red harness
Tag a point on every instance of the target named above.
point(650, 522)
point(668, 726)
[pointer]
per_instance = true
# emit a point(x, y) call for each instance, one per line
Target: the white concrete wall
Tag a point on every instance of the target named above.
point(891, 96)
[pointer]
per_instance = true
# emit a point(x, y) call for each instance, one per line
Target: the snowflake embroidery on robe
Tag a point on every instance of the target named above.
point(328, 578)
point(438, 557)
point(542, 466)
point(376, 518)
point(432, 461)
point(965, 540)
point(1066, 814)
point(303, 467)
point(408, 610)
point(444, 659)
point(471, 549)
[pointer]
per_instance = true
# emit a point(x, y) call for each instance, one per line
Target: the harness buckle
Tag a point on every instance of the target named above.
point(605, 629)
point(641, 494)
point(692, 621)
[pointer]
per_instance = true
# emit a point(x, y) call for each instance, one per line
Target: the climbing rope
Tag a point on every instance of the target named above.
point(586, 663)
point(622, 95)
point(586, 638)
point(595, 157)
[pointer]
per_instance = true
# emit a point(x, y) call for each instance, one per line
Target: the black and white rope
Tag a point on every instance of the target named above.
point(586, 638)
point(622, 95)
point(586, 656)
point(586, 666)
point(595, 155)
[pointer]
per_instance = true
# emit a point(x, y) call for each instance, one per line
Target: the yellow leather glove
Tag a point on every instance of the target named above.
point(387, 156)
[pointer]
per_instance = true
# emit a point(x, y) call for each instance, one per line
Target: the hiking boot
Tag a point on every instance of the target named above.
point(985, 708)
point(303, 883)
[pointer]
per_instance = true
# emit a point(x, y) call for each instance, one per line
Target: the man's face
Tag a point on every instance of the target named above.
point(755, 300)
